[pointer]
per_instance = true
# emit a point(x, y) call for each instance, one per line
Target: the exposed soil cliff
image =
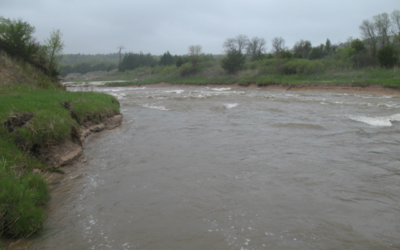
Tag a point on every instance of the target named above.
point(70, 149)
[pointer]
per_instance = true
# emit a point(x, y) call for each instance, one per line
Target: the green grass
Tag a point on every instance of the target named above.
point(22, 196)
point(51, 122)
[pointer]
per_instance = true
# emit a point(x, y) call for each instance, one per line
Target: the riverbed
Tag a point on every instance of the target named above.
point(234, 168)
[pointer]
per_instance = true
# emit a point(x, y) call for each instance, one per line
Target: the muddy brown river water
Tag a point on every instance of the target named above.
point(231, 168)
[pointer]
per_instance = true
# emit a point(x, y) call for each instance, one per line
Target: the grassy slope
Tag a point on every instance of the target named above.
point(33, 116)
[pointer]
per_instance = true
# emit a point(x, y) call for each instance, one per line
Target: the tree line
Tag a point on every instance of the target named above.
point(379, 45)
point(16, 39)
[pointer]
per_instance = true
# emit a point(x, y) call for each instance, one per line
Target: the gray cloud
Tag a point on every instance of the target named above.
point(155, 26)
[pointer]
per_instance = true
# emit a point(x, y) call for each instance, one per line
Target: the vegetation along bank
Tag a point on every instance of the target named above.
point(42, 126)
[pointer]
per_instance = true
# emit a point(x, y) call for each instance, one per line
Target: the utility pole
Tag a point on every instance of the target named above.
point(120, 56)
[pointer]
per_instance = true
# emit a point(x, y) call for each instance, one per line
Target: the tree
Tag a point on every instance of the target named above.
point(256, 48)
point(357, 51)
point(167, 59)
point(329, 48)
point(238, 43)
point(241, 41)
point(278, 45)
point(16, 38)
point(194, 55)
point(234, 59)
point(395, 16)
point(369, 35)
point(54, 48)
point(180, 60)
point(302, 49)
point(382, 24)
point(387, 56)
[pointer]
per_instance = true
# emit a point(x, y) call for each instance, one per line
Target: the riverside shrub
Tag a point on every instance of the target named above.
point(188, 69)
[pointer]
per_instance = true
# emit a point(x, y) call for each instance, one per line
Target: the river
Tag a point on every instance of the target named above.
point(234, 168)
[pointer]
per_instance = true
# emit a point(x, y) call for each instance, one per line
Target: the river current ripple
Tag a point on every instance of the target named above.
point(231, 168)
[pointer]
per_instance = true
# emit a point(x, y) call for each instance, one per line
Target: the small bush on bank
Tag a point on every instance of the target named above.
point(188, 69)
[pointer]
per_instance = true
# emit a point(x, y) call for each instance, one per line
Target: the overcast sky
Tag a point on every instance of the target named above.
point(157, 26)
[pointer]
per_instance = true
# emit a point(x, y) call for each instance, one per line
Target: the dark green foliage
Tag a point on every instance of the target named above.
point(167, 59)
point(132, 61)
point(357, 45)
point(188, 69)
point(358, 52)
point(302, 49)
point(328, 48)
point(180, 60)
point(16, 39)
point(285, 54)
point(302, 66)
point(387, 57)
point(233, 61)
point(317, 52)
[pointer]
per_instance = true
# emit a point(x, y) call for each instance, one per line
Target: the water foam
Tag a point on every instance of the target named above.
point(155, 107)
point(231, 105)
point(381, 121)
point(176, 91)
point(221, 89)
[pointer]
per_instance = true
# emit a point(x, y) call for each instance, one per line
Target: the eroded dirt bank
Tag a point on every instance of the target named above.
point(72, 148)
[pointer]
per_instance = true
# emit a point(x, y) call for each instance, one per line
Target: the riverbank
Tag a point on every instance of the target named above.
point(42, 130)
